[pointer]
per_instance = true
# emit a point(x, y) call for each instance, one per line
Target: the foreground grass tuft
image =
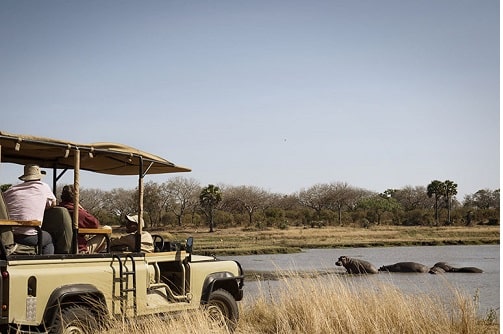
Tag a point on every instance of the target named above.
point(303, 305)
point(181, 323)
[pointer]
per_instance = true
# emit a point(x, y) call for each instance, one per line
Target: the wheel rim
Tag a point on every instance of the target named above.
point(72, 329)
point(217, 313)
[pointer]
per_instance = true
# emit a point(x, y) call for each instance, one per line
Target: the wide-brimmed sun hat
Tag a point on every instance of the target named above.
point(32, 172)
point(134, 219)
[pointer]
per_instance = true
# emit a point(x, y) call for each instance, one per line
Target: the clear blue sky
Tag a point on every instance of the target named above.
point(277, 94)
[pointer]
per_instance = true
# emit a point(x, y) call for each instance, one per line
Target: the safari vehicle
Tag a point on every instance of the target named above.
point(78, 293)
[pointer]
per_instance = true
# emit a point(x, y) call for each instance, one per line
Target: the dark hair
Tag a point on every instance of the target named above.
point(67, 193)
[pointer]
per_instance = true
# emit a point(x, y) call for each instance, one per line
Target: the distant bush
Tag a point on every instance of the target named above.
point(493, 221)
point(417, 217)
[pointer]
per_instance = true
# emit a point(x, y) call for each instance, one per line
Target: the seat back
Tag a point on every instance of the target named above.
point(6, 235)
point(58, 222)
point(3, 208)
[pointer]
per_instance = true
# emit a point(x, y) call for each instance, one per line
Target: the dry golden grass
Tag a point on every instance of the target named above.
point(303, 305)
point(337, 306)
point(238, 241)
point(181, 323)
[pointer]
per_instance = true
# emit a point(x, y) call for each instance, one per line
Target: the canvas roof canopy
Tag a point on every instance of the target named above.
point(105, 158)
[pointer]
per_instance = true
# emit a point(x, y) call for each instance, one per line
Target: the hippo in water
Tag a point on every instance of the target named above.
point(356, 266)
point(436, 270)
point(441, 267)
point(467, 270)
point(406, 267)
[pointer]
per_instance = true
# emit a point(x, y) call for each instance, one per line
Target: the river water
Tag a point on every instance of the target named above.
point(485, 285)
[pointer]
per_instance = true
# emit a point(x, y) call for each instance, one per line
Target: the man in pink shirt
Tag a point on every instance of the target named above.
point(28, 201)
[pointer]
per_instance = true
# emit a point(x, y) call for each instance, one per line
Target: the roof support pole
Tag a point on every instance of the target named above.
point(54, 189)
point(140, 205)
point(76, 200)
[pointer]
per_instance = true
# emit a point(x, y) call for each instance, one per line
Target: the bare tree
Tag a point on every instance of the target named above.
point(412, 198)
point(249, 199)
point(316, 197)
point(120, 202)
point(483, 199)
point(92, 199)
point(183, 194)
point(285, 202)
point(154, 202)
point(340, 196)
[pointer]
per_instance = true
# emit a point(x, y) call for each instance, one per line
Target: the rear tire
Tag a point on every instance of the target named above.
point(77, 319)
point(222, 307)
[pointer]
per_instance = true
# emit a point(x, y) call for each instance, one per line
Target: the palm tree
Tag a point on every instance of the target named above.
point(450, 189)
point(436, 188)
point(209, 197)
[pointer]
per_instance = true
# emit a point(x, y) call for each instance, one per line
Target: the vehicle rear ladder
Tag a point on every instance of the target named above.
point(124, 287)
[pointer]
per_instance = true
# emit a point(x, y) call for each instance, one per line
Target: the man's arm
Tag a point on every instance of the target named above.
point(51, 198)
point(50, 203)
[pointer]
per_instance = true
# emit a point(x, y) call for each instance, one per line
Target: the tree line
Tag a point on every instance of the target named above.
point(183, 202)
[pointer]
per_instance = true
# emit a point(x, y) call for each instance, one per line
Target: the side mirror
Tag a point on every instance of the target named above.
point(189, 244)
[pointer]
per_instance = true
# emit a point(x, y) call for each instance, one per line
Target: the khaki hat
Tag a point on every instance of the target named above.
point(134, 219)
point(31, 173)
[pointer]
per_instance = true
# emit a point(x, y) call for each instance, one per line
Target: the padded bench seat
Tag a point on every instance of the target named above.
point(107, 232)
point(26, 223)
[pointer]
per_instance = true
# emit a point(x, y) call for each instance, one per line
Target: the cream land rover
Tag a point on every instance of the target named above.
point(78, 293)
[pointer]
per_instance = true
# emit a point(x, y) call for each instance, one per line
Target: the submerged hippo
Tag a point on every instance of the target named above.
point(443, 266)
point(406, 267)
point(467, 270)
point(440, 267)
point(356, 266)
point(436, 270)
